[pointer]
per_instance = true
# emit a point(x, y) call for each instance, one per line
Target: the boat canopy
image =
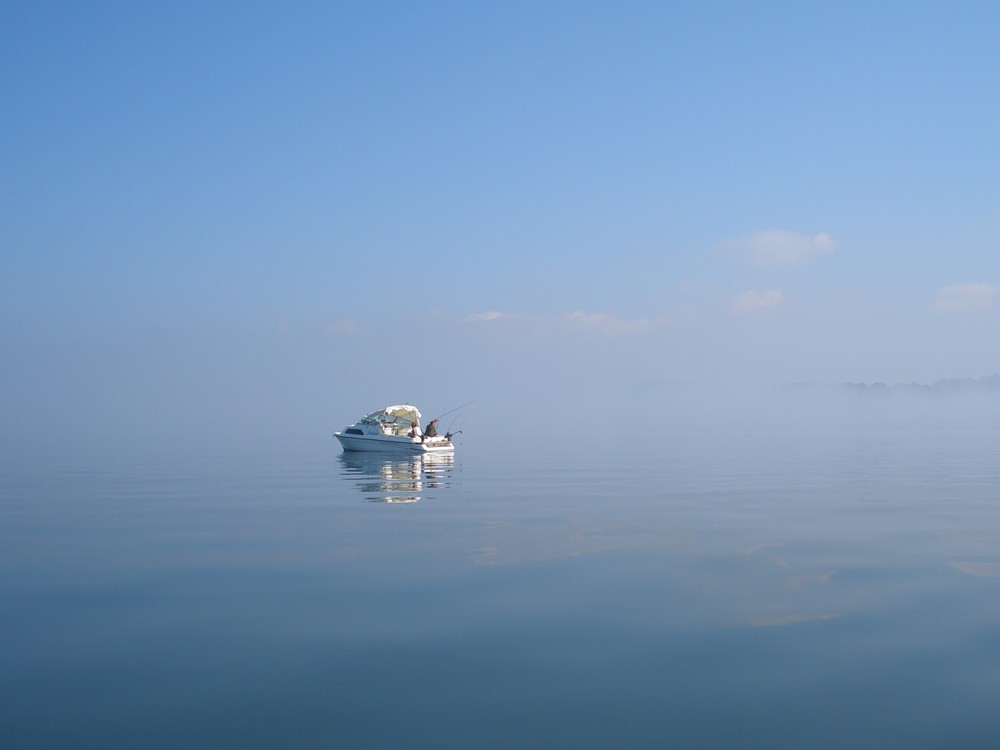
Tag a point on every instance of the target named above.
point(399, 414)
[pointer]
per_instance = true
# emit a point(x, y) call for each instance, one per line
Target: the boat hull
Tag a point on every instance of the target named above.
point(391, 444)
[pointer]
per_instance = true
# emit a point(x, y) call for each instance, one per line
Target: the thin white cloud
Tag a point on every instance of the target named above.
point(346, 327)
point(966, 297)
point(780, 247)
point(779, 621)
point(606, 323)
point(752, 302)
point(492, 315)
point(978, 569)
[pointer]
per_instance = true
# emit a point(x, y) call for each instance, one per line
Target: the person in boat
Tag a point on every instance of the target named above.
point(415, 432)
point(432, 429)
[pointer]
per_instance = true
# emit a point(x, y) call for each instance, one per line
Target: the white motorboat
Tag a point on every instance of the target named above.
point(394, 428)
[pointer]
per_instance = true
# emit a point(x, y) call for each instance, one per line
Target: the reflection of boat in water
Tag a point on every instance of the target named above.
point(397, 479)
point(396, 429)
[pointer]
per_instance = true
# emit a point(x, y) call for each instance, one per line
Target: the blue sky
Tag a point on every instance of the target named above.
point(232, 206)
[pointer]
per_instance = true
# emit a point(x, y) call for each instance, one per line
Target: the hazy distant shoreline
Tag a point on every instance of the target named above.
point(944, 387)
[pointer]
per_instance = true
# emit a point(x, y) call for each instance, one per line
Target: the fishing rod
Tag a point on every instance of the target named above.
point(456, 409)
point(449, 434)
point(431, 428)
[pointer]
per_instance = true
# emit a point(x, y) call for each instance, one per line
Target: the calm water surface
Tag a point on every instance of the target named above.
point(752, 591)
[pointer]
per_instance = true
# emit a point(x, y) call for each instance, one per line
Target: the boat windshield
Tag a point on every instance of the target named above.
point(403, 414)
